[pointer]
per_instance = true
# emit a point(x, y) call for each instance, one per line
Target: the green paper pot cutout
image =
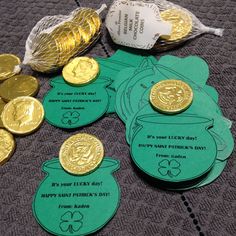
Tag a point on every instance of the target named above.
point(120, 105)
point(174, 149)
point(169, 60)
point(192, 67)
point(69, 106)
point(141, 105)
point(121, 59)
point(130, 84)
point(212, 92)
point(224, 139)
point(213, 174)
point(109, 67)
point(137, 91)
point(127, 73)
point(119, 87)
point(112, 97)
point(142, 71)
point(138, 95)
point(67, 204)
point(210, 177)
point(141, 74)
point(220, 131)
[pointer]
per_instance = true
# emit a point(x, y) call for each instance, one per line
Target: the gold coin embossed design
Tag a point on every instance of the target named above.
point(81, 153)
point(22, 115)
point(7, 146)
point(181, 23)
point(2, 105)
point(7, 65)
point(80, 71)
point(171, 96)
point(19, 85)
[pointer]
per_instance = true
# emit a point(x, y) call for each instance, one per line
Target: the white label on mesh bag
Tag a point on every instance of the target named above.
point(136, 24)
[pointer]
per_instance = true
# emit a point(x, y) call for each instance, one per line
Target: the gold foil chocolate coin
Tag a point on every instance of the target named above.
point(66, 44)
point(19, 85)
point(2, 105)
point(181, 23)
point(22, 115)
point(171, 96)
point(7, 146)
point(81, 154)
point(80, 71)
point(7, 66)
point(75, 30)
point(88, 15)
point(65, 39)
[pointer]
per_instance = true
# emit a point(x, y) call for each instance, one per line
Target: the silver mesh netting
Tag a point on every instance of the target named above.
point(54, 40)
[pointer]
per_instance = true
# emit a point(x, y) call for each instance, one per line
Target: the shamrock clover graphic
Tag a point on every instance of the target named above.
point(70, 117)
point(170, 168)
point(71, 221)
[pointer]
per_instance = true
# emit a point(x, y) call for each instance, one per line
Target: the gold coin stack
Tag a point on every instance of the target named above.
point(19, 113)
point(182, 25)
point(54, 49)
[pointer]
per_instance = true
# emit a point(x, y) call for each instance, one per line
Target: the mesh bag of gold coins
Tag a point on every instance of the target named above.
point(56, 39)
point(153, 24)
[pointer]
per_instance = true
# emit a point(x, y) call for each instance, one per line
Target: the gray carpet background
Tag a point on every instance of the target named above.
point(144, 209)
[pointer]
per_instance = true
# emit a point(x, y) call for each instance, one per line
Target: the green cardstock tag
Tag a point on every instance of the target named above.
point(126, 56)
point(137, 94)
point(119, 60)
point(133, 95)
point(174, 149)
point(112, 100)
point(135, 87)
point(213, 174)
point(139, 97)
point(212, 93)
point(192, 67)
point(126, 75)
point(66, 204)
point(69, 106)
point(144, 64)
point(210, 177)
point(220, 131)
point(141, 74)
point(109, 67)
point(132, 82)
point(223, 137)
point(119, 95)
